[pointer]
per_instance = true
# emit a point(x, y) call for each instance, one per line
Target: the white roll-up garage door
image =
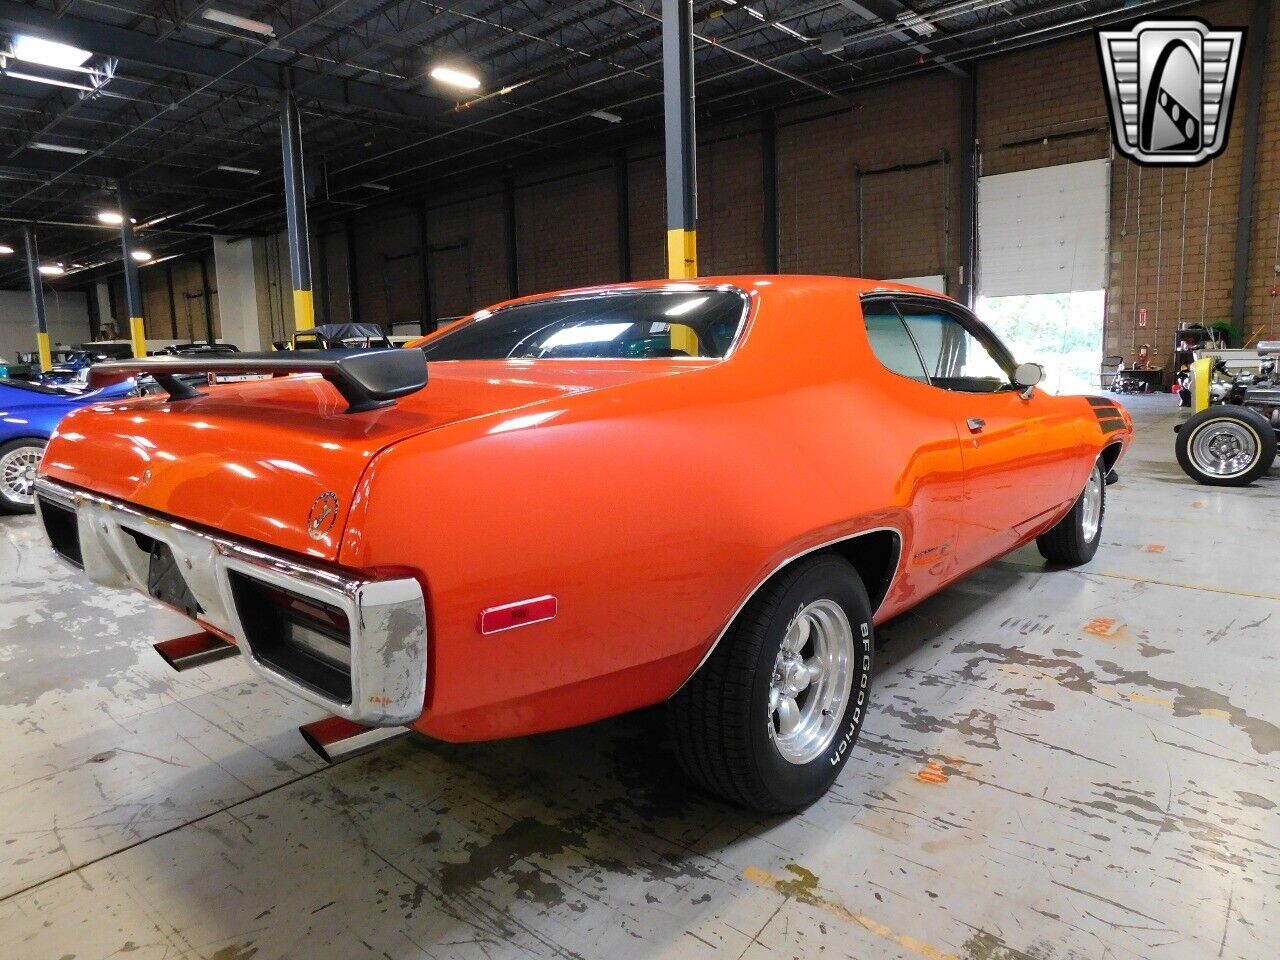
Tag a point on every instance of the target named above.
point(1044, 230)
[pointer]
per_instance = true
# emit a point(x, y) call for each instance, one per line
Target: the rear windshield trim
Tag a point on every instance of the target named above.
point(675, 288)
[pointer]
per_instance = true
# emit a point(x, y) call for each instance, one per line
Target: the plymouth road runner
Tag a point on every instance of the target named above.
point(578, 504)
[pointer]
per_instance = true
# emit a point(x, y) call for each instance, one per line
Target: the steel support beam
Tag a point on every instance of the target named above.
point(295, 209)
point(424, 261)
point(513, 246)
point(208, 299)
point(967, 228)
point(1255, 56)
point(680, 133)
point(622, 187)
point(353, 277)
point(173, 300)
point(132, 285)
point(769, 158)
point(37, 297)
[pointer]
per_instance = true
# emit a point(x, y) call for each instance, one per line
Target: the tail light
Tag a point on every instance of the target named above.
point(303, 636)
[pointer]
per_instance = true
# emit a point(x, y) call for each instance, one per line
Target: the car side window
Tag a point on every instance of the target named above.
point(954, 357)
point(890, 341)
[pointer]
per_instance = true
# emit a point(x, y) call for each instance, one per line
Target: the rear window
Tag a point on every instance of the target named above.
point(628, 325)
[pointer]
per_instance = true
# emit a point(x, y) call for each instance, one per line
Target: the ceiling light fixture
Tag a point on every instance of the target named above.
point(111, 217)
point(606, 116)
point(48, 53)
point(51, 270)
point(58, 148)
point(239, 22)
point(455, 77)
point(5, 249)
point(228, 168)
point(51, 81)
point(377, 186)
point(142, 256)
point(917, 24)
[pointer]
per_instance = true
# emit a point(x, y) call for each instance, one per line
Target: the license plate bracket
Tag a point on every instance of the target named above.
point(165, 582)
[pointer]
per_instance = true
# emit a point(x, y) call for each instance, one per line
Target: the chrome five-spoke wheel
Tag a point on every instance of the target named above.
point(1091, 504)
point(811, 682)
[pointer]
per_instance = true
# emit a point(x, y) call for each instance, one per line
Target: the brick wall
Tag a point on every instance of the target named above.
point(1172, 234)
point(1262, 307)
point(468, 255)
point(908, 216)
point(567, 231)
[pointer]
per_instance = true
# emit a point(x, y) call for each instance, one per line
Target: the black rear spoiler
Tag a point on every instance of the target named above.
point(367, 379)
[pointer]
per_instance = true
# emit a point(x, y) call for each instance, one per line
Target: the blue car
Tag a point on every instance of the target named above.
point(29, 412)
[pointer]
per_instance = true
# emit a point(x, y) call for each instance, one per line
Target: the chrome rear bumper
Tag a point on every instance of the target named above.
point(387, 618)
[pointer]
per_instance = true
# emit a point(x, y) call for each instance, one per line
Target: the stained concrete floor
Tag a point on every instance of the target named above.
point(1059, 764)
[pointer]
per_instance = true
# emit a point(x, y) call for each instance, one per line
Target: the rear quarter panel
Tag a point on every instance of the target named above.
point(651, 511)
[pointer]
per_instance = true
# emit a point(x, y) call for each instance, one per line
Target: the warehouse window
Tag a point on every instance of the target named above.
point(632, 325)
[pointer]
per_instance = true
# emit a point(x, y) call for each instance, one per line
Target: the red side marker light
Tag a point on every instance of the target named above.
point(518, 614)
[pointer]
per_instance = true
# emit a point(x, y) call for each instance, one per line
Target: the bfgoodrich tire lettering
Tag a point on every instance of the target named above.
point(724, 724)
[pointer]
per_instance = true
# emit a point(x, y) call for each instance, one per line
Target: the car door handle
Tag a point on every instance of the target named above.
point(975, 424)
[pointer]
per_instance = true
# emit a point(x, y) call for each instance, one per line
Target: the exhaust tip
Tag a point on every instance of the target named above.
point(195, 650)
point(336, 738)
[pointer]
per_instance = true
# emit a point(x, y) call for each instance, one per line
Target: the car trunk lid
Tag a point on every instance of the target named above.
point(279, 461)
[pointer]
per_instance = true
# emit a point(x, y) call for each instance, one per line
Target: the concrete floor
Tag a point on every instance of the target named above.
point(1068, 764)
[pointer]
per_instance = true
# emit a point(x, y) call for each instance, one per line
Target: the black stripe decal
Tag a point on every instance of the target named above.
point(1111, 426)
point(1100, 402)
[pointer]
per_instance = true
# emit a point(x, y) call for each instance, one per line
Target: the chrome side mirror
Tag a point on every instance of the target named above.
point(1026, 377)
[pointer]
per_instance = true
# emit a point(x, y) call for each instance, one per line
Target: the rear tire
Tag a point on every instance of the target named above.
point(768, 727)
point(18, 462)
point(1226, 446)
point(1074, 539)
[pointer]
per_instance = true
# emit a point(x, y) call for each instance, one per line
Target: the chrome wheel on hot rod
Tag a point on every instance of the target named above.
point(768, 721)
point(1226, 446)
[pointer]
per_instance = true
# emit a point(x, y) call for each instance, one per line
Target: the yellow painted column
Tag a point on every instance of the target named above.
point(304, 310)
point(46, 354)
point(682, 254)
point(138, 336)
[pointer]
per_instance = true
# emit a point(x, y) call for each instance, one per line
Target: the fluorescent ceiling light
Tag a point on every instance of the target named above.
point(377, 186)
point(239, 22)
point(111, 217)
point(792, 33)
point(685, 306)
point(455, 77)
point(606, 116)
point(142, 256)
point(5, 249)
point(20, 75)
point(58, 148)
point(228, 168)
point(51, 270)
point(48, 53)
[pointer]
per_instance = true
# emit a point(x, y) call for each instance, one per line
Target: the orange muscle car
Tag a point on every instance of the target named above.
point(573, 505)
